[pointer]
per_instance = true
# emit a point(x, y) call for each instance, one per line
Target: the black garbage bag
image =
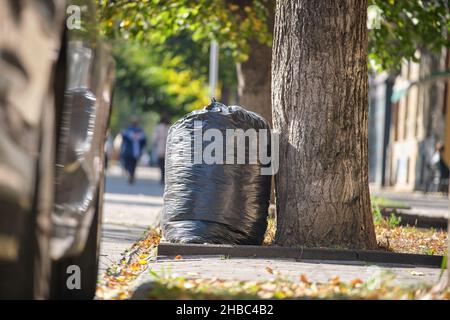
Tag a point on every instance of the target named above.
point(221, 203)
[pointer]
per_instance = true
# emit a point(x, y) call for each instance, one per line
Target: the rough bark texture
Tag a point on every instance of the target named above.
point(319, 98)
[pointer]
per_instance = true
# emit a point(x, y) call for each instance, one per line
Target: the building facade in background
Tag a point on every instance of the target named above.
point(407, 117)
point(380, 92)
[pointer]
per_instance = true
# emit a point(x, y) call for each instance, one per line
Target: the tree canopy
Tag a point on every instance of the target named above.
point(162, 48)
point(162, 45)
point(405, 27)
point(230, 23)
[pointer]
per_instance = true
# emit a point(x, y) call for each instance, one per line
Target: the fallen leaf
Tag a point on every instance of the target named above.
point(135, 266)
point(142, 262)
point(356, 282)
point(304, 279)
point(143, 256)
point(122, 296)
point(335, 281)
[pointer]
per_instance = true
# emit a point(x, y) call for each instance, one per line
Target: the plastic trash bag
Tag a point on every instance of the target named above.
point(215, 203)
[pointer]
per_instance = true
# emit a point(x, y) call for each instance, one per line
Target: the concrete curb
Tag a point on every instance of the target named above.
point(396, 207)
point(300, 254)
point(413, 219)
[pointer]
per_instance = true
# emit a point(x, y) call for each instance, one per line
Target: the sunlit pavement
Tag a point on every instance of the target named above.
point(129, 210)
point(251, 269)
point(422, 204)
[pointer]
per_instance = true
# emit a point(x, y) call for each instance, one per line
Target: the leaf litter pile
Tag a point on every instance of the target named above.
point(412, 240)
point(116, 282)
point(396, 238)
point(391, 236)
point(173, 287)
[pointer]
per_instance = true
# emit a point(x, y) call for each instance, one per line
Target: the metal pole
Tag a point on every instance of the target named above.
point(213, 68)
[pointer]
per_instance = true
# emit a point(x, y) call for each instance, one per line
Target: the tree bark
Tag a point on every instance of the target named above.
point(225, 94)
point(254, 75)
point(320, 107)
point(254, 81)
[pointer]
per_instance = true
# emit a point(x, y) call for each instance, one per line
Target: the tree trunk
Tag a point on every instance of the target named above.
point(254, 75)
point(225, 94)
point(254, 87)
point(320, 93)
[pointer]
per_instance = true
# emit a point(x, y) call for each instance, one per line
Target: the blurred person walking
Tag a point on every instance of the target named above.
point(133, 144)
point(440, 169)
point(159, 143)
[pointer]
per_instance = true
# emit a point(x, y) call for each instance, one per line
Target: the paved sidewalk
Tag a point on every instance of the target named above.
point(251, 269)
point(129, 210)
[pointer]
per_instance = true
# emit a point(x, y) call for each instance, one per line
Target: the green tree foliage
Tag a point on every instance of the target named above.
point(149, 79)
point(231, 23)
point(170, 42)
point(405, 27)
point(195, 55)
point(162, 47)
point(157, 81)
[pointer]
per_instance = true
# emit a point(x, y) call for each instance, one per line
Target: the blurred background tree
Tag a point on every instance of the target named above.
point(163, 38)
point(162, 51)
point(149, 81)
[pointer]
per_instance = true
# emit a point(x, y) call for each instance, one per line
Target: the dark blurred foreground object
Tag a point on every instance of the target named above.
point(214, 203)
point(55, 91)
